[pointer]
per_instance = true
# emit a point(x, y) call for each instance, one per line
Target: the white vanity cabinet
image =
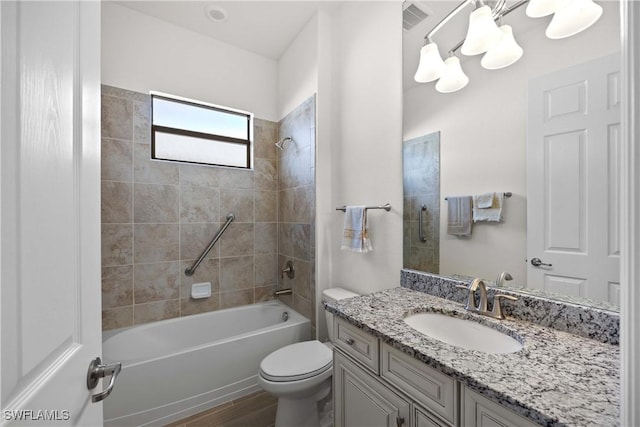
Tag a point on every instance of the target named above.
point(377, 385)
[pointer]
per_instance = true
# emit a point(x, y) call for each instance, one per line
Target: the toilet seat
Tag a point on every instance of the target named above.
point(296, 362)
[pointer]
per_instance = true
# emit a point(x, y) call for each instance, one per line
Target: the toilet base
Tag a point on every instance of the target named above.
point(301, 412)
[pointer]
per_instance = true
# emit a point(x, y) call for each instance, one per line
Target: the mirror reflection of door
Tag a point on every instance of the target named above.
point(573, 138)
point(421, 181)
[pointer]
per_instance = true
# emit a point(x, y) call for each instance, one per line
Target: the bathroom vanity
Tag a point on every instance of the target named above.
point(389, 374)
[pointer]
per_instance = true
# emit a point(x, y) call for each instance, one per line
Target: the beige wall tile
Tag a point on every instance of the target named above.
point(237, 240)
point(200, 176)
point(116, 202)
point(156, 281)
point(236, 273)
point(236, 298)
point(301, 240)
point(208, 271)
point(301, 282)
point(116, 318)
point(117, 118)
point(117, 244)
point(142, 121)
point(266, 206)
point(266, 238)
point(150, 171)
point(117, 286)
point(302, 306)
point(236, 178)
point(154, 311)
point(194, 238)
point(265, 136)
point(154, 203)
point(189, 306)
point(295, 167)
point(199, 204)
point(266, 174)
point(264, 293)
point(238, 201)
point(117, 160)
point(285, 238)
point(266, 269)
point(155, 242)
point(107, 90)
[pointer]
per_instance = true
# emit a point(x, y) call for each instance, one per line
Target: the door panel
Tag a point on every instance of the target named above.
point(50, 209)
point(573, 158)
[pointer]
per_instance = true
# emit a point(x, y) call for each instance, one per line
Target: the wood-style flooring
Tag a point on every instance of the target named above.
point(255, 410)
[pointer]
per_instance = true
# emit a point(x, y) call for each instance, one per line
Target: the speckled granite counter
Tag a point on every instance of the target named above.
point(557, 379)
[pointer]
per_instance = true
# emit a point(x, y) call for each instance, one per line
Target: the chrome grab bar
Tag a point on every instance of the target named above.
point(189, 271)
point(386, 207)
point(421, 235)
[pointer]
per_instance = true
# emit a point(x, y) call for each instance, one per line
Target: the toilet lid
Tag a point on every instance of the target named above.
point(296, 362)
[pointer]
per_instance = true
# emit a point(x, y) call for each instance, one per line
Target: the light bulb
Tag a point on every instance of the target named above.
point(482, 34)
point(431, 65)
point(574, 17)
point(453, 78)
point(505, 53)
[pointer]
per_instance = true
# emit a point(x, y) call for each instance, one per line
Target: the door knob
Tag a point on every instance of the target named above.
point(96, 371)
point(537, 262)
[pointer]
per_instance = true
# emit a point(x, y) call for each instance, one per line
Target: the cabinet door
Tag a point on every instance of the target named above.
point(479, 411)
point(424, 418)
point(360, 400)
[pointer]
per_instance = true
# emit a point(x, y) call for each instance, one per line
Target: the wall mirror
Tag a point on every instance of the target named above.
point(483, 131)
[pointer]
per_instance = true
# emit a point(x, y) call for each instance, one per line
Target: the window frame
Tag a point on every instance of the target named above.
point(202, 135)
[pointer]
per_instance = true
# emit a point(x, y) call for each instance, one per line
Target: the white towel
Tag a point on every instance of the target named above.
point(355, 237)
point(483, 211)
point(459, 215)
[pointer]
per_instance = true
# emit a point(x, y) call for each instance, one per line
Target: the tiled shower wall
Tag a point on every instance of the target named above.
point(421, 181)
point(296, 200)
point(158, 216)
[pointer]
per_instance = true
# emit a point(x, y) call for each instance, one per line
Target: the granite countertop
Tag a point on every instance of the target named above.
point(557, 379)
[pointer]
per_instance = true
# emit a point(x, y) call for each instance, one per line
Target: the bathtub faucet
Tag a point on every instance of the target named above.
point(287, 291)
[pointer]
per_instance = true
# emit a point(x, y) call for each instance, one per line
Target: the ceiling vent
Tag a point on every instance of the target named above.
point(412, 15)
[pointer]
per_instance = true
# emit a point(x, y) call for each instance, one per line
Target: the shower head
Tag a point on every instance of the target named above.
point(283, 142)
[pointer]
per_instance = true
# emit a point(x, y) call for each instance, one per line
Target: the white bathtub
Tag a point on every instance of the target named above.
point(176, 368)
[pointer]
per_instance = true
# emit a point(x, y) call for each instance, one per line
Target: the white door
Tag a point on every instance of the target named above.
point(573, 143)
point(50, 211)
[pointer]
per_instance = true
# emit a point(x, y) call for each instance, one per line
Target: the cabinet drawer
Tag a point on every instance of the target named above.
point(434, 390)
point(424, 418)
point(478, 411)
point(358, 344)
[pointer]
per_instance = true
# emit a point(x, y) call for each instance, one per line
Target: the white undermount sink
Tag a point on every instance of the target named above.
point(463, 333)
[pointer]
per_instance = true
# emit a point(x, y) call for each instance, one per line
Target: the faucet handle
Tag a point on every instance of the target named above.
point(496, 311)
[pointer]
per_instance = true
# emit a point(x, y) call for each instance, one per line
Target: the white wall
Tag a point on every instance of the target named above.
point(483, 140)
point(367, 138)
point(142, 53)
point(298, 69)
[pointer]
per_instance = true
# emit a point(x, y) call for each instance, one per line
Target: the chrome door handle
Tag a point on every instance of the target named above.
point(421, 235)
point(96, 371)
point(537, 262)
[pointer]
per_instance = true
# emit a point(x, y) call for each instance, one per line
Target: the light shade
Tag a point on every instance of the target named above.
point(482, 34)
point(573, 17)
point(453, 78)
point(505, 53)
point(540, 8)
point(431, 65)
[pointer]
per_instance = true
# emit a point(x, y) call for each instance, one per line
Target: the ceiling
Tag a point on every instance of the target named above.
point(260, 26)
point(268, 27)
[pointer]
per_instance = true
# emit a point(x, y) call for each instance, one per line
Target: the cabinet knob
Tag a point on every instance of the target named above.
point(399, 421)
point(349, 341)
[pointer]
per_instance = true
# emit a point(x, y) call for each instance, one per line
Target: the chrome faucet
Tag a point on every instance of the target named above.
point(502, 277)
point(479, 286)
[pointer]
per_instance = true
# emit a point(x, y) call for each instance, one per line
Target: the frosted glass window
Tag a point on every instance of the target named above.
point(187, 131)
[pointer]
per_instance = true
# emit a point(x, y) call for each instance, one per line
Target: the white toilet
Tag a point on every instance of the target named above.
point(300, 374)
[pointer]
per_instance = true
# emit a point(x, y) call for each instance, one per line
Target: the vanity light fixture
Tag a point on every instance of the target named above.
point(483, 35)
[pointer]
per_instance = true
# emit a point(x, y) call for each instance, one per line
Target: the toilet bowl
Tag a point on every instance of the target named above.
point(300, 375)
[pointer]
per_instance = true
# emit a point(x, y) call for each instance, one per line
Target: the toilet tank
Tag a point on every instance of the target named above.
point(331, 295)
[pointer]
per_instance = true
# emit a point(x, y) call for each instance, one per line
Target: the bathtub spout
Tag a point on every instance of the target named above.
point(287, 291)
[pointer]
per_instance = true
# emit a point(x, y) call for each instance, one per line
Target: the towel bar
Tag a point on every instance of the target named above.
point(386, 207)
point(506, 195)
